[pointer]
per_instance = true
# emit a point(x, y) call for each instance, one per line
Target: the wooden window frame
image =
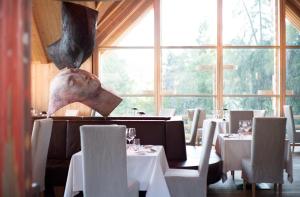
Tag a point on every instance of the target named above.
point(218, 95)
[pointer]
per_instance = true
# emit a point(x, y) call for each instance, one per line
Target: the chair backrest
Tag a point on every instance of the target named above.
point(208, 136)
point(259, 113)
point(290, 124)
point(71, 112)
point(169, 112)
point(201, 117)
point(236, 116)
point(104, 160)
point(267, 149)
point(194, 127)
point(40, 139)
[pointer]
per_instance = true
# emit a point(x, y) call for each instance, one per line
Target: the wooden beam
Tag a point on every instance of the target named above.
point(219, 69)
point(15, 121)
point(282, 60)
point(95, 61)
point(121, 18)
point(105, 8)
point(292, 11)
point(157, 56)
point(115, 19)
point(130, 21)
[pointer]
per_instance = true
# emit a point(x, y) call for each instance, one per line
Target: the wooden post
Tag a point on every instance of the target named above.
point(282, 57)
point(219, 68)
point(15, 154)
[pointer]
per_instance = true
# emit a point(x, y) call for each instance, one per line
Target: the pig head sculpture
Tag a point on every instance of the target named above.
point(76, 85)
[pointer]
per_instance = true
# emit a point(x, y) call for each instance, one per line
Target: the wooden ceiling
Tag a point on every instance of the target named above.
point(115, 16)
point(293, 12)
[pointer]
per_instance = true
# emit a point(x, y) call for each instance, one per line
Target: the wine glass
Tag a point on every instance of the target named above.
point(242, 125)
point(130, 134)
point(248, 126)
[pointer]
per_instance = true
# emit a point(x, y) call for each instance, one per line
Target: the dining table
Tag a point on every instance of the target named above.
point(232, 148)
point(147, 165)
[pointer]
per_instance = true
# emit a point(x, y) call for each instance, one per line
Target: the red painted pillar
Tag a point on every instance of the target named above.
point(15, 155)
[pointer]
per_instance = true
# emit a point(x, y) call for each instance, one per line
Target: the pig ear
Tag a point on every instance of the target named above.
point(71, 81)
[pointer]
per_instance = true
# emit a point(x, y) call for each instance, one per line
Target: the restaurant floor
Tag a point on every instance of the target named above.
point(229, 188)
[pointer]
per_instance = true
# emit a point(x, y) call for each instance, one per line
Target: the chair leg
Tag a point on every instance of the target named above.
point(279, 188)
point(232, 174)
point(293, 147)
point(244, 184)
point(275, 187)
point(253, 189)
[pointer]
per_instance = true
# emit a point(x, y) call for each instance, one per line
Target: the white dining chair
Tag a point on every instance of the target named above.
point(236, 116)
point(266, 163)
point(194, 127)
point(292, 133)
point(259, 113)
point(105, 162)
point(40, 139)
point(190, 183)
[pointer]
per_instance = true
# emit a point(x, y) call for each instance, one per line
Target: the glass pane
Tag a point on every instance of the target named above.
point(250, 22)
point(292, 34)
point(295, 103)
point(128, 71)
point(251, 103)
point(188, 23)
point(141, 33)
point(249, 71)
point(188, 71)
point(181, 104)
point(143, 104)
point(293, 71)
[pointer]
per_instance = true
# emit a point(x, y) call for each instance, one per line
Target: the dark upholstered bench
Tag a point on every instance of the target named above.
point(192, 162)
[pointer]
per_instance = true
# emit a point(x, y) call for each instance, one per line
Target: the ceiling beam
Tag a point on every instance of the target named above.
point(120, 19)
point(125, 26)
point(292, 10)
point(105, 8)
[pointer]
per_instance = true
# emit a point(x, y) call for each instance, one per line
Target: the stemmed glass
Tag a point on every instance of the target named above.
point(248, 126)
point(244, 127)
point(130, 134)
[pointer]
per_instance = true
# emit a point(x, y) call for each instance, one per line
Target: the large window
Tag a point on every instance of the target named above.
point(293, 67)
point(127, 68)
point(211, 54)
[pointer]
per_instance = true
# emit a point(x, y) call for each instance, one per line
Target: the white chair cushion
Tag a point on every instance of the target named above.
point(181, 173)
point(133, 188)
point(182, 182)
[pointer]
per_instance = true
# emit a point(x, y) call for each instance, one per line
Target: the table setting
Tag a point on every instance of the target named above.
point(145, 163)
point(234, 147)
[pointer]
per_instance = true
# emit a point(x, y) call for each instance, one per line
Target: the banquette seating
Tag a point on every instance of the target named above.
point(65, 140)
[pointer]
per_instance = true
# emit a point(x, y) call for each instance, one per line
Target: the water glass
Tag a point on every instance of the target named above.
point(136, 144)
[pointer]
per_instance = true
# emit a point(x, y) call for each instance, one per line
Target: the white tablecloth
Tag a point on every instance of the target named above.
point(233, 149)
point(222, 126)
point(147, 169)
